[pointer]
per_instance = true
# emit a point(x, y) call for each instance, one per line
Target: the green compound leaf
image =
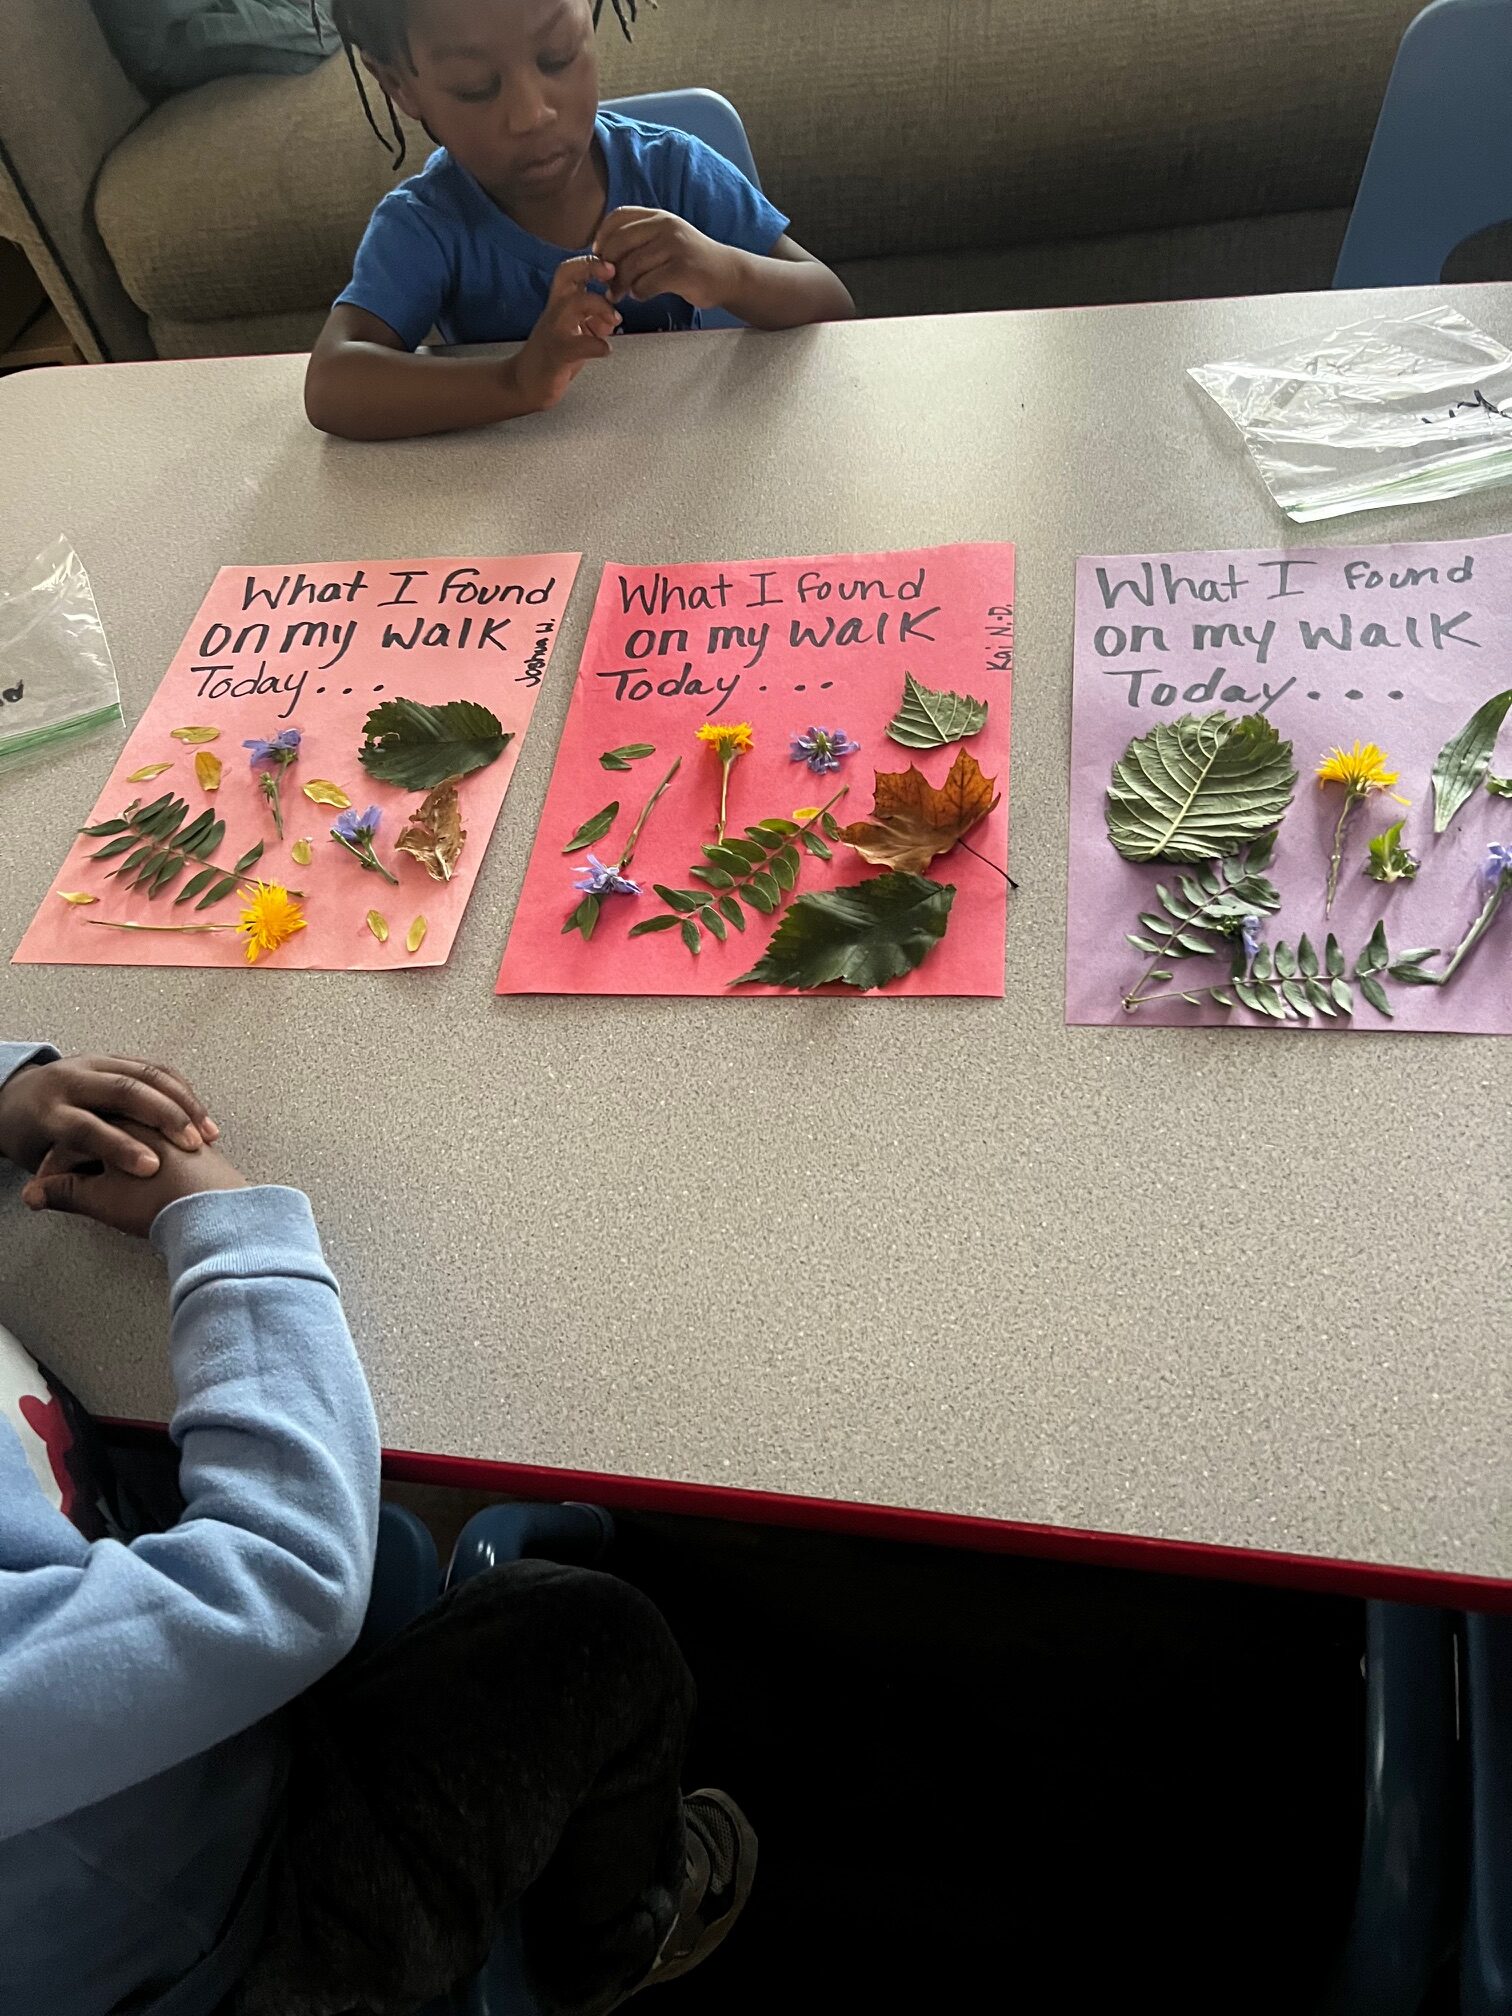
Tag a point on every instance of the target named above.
point(863, 936)
point(593, 829)
point(419, 747)
point(928, 720)
point(1465, 759)
point(1199, 787)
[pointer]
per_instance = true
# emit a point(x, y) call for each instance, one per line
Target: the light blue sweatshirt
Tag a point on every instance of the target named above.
point(140, 1775)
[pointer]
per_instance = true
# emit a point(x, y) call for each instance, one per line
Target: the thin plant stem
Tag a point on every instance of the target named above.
point(988, 864)
point(1474, 935)
point(1351, 799)
point(635, 831)
point(185, 930)
point(726, 765)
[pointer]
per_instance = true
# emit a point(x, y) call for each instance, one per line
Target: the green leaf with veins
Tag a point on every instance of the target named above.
point(864, 935)
point(928, 720)
point(419, 747)
point(1199, 788)
point(1465, 759)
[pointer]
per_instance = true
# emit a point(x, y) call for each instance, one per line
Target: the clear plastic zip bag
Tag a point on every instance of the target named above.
point(57, 678)
point(1397, 410)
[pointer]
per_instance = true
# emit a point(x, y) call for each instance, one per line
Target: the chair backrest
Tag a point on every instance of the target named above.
point(709, 118)
point(1440, 165)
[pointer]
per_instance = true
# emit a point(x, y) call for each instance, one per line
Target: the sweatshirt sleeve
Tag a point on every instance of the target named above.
point(118, 1662)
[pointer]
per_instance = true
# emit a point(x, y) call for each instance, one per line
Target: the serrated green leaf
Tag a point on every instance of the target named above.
point(728, 907)
point(193, 886)
point(1343, 994)
point(218, 894)
point(249, 860)
point(650, 924)
point(1307, 957)
point(864, 936)
point(712, 921)
point(591, 829)
point(418, 747)
point(1294, 995)
point(1465, 759)
point(691, 937)
point(1333, 957)
point(1375, 994)
point(815, 846)
point(927, 719)
point(714, 878)
point(677, 899)
point(1199, 787)
point(1286, 960)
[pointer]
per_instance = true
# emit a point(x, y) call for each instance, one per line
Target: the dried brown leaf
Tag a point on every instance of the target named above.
point(435, 835)
point(912, 821)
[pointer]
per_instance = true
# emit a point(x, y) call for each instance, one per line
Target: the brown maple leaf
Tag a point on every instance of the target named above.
point(434, 835)
point(912, 822)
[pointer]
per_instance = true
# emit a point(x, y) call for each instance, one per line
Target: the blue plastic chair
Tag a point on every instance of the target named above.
point(709, 118)
point(406, 1581)
point(1486, 1937)
point(1440, 165)
point(1402, 1923)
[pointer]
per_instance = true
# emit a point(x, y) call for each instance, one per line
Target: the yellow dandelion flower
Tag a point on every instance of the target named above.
point(727, 738)
point(1359, 770)
point(270, 919)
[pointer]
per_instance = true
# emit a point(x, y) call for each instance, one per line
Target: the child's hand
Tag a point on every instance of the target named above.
point(652, 252)
point(574, 328)
point(64, 1104)
point(89, 1189)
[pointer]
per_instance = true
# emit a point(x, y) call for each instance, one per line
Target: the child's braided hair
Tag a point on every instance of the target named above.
point(377, 28)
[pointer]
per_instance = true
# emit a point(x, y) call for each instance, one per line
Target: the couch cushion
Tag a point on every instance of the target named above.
point(884, 127)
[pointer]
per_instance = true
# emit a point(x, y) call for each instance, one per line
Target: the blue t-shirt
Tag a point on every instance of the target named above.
point(440, 253)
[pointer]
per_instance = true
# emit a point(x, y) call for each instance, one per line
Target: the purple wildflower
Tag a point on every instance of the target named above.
point(280, 752)
point(603, 881)
point(1498, 862)
point(1250, 932)
point(361, 828)
point(822, 749)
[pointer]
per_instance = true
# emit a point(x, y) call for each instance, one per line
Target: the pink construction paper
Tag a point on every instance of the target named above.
point(785, 645)
point(426, 630)
point(1429, 635)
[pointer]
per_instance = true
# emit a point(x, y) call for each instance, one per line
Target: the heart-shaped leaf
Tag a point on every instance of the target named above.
point(1199, 787)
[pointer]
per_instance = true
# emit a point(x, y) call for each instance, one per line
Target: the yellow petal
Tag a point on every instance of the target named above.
point(192, 735)
point(208, 770)
point(416, 936)
point(147, 772)
point(804, 813)
point(377, 923)
point(77, 897)
point(319, 792)
point(303, 853)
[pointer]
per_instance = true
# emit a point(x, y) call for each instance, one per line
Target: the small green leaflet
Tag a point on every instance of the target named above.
point(593, 829)
point(928, 720)
point(584, 918)
point(1499, 787)
point(621, 759)
point(419, 747)
point(1465, 759)
point(864, 935)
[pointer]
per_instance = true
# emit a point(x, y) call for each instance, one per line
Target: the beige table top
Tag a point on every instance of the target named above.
point(527, 1199)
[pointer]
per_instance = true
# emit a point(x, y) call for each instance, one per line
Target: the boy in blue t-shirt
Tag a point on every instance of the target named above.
point(486, 244)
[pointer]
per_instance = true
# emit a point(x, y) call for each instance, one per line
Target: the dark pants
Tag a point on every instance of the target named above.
point(519, 1743)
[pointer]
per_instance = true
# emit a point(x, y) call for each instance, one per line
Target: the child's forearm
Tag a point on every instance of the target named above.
point(785, 293)
point(367, 392)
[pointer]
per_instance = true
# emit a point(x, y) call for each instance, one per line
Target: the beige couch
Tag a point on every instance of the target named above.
point(942, 154)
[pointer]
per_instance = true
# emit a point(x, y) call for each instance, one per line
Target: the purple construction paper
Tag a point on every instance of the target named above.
point(1428, 630)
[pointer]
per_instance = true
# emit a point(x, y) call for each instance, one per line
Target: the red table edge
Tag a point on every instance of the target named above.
point(1271, 1568)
